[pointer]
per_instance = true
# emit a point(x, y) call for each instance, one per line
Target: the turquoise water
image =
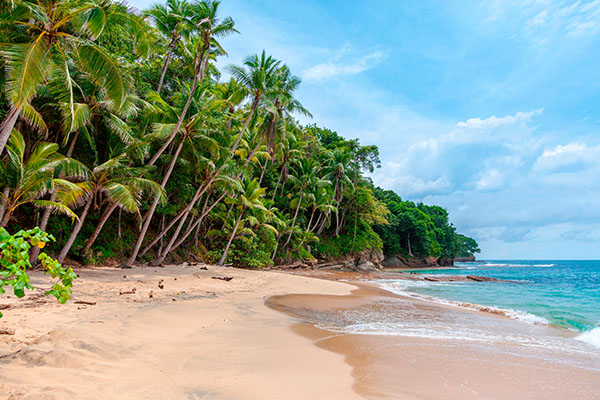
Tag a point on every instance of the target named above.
point(562, 293)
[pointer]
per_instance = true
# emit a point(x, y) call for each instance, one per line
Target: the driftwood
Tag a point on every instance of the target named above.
point(87, 303)
point(132, 291)
point(223, 278)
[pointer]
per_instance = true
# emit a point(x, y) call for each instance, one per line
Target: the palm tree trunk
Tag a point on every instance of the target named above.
point(317, 222)
point(35, 251)
point(183, 213)
point(237, 224)
point(78, 225)
point(312, 214)
point(197, 222)
point(294, 220)
point(72, 146)
point(252, 110)
point(262, 174)
point(275, 250)
point(150, 213)
point(103, 219)
point(4, 202)
point(277, 185)
point(254, 151)
point(119, 224)
point(8, 124)
point(198, 76)
point(6, 218)
point(165, 66)
point(323, 223)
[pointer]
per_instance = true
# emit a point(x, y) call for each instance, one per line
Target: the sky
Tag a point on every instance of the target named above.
point(490, 109)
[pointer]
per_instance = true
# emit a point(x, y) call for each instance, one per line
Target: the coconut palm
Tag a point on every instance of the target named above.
point(304, 175)
point(172, 20)
point(339, 171)
point(28, 180)
point(258, 77)
point(119, 183)
point(210, 28)
point(49, 35)
point(249, 197)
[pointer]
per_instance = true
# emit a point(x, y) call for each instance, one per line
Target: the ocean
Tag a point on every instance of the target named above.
point(555, 307)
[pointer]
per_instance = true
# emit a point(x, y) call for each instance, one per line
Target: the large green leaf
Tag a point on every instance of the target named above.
point(27, 65)
point(103, 70)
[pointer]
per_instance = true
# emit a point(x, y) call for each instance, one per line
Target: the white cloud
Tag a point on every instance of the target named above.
point(490, 180)
point(572, 157)
point(340, 67)
point(494, 122)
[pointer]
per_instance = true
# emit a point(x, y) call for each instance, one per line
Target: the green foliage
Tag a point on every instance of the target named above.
point(254, 251)
point(219, 170)
point(14, 263)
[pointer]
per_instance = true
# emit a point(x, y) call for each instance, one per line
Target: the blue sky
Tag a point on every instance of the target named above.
point(490, 109)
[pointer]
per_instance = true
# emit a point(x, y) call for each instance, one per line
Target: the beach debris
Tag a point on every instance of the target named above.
point(203, 268)
point(151, 294)
point(223, 278)
point(87, 303)
point(160, 284)
point(7, 331)
point(132, 291)
point(4, 306)
point(124, 276)
point(174, 279)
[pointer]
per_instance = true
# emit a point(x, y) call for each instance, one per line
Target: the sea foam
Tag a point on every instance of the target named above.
point(591, 337)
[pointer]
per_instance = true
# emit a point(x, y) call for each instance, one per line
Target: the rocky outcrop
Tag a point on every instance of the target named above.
point(445, 262)
point(366, 261)
point(409, 262)
point(470, 258)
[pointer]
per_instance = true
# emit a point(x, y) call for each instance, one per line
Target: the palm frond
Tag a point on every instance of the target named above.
point(56, 207)
point(103, 70)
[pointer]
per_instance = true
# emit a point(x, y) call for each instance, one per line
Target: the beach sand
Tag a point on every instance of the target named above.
point(204, 338)
point(417, 368)
point(198, 338)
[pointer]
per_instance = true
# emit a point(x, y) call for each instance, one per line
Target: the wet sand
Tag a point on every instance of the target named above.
point(399, 367)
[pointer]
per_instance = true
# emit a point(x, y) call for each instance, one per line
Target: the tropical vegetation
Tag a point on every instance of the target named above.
point(117, 124)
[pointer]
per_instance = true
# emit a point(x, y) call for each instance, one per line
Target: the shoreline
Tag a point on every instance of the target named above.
point(264, 334)
point(405, 367)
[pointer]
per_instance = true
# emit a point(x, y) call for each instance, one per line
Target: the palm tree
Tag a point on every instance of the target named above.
point(249, 198)
point(210, 28)
point(27, 180)
point(174, 22)
point(52, 34)
point(339, 171)
point(119, 183)
point(258, 76)
point(304, 175)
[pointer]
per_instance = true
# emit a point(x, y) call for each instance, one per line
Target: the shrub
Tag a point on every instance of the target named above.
point(14, 262)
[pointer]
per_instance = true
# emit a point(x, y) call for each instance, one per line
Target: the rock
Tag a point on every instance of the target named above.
point(445, 262)
point(470, 258)
point(311, 262)
point(7, 331)
point(349, 264)
point(394, 262)
point(367, 266)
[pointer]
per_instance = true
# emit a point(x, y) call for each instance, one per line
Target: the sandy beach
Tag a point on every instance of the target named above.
point(204, 338)
point(198, 338)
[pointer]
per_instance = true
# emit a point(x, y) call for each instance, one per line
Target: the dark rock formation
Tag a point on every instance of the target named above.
point(470, 258)
point(445, 262)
